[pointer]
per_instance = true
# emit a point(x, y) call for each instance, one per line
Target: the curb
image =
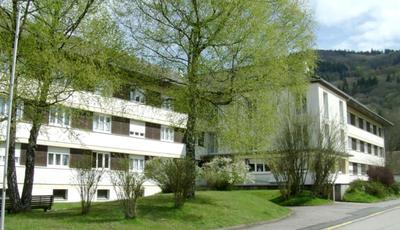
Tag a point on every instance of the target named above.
point(244, 226)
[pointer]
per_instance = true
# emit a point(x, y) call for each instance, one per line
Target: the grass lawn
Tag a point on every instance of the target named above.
point(210, 209)
point(304, 199)
point(362, 197)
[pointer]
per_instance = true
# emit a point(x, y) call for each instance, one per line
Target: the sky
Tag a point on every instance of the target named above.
point(357, 24)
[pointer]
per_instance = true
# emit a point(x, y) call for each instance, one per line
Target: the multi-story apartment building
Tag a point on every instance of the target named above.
point(361, 133)
point(108, 128)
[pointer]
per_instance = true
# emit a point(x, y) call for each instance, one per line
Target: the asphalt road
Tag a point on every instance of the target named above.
point(387, 220)
point(340, 215)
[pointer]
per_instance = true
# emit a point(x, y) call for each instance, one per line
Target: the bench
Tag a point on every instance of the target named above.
point(38, 202)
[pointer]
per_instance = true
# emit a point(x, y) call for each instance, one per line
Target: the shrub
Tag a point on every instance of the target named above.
point(373, 188)
point(381, 174)
point(128, 186)
point(175, 174)
point(223, 172)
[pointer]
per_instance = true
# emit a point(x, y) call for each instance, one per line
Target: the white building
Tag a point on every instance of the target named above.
point(361, 131)
point(106, 127)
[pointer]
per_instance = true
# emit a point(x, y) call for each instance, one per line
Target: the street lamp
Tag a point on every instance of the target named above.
point(10, 101)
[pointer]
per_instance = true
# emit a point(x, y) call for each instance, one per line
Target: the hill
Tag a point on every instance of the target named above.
point(371, 77)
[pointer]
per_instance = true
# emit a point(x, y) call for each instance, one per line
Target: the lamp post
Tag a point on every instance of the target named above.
point(10, 102)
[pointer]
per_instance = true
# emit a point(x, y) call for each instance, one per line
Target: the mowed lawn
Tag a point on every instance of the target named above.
point(210, 209)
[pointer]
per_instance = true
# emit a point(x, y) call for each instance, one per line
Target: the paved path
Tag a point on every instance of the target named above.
point(321, 217)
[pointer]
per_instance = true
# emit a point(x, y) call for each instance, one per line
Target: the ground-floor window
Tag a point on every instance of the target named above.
point(103, 194)
point(257, 166)
point(136, 164)
point(60, 194)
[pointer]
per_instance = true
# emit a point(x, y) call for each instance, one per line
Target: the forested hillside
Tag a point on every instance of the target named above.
point(371, 77)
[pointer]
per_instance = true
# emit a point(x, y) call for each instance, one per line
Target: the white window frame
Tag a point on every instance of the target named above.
point(341, 112)
point(101, 198)
point(137, 95)
point(167, 103)
point(167, 133)
point(325, 104)
point(137, 129)
point(59, 117)
point(52, 159)
point(100, 123)
point(136, 164)
point(17, 153)
point(103, 161)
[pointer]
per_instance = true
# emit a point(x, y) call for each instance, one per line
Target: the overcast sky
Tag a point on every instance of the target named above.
point(357, 24)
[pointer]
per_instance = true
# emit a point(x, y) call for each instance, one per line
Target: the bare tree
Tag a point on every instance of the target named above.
point(326, 158)
point(128, 186)
point(86, 179)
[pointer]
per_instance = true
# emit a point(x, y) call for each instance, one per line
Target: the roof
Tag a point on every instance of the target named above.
point(353, 102)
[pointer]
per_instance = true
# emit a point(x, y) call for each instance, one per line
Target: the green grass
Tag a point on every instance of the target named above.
point(304, 199)
point(210, 209)
point(360, 197)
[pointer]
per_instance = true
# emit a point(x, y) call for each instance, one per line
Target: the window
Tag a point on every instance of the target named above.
point(354, 144)
point(360, 123)
point(102, 123)
point(369, 148)
point(375, 150)
point(382, 152)
point(3, 106)
point(362, 146)
point(167, 133)
point(57, 159)
point(355, 168)
point(103, 194)
point(60, 194)
point(251, 167)
point(136, 164)
point(102, 160)
point(368, 127)
point(137, 129)
point(167, 103)
point(326, 106)
point(374, 130)
point(343, 138)
point(341, 111)
point(200, 139)
point(352, 119)
point(3, 150)
point(364, 169)
point(380, 131)
point(137, 95)
point(58, 116)
point(260, 167)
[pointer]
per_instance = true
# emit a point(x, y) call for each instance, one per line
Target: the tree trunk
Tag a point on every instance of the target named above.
point(12, 182)
point(30, 166)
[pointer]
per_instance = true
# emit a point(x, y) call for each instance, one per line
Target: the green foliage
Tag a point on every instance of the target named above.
point(174, 174)
point(369, 191)
point(305, 198)
point(223, 172)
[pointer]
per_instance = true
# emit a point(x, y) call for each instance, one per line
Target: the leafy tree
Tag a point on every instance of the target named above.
point(65, 46)
point(226, 57)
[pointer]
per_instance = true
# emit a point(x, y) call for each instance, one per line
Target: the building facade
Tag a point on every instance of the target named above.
point(109, 129)
point(361, 133)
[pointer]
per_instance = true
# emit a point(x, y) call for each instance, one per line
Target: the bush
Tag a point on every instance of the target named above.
point(223, 172)
point(177, 175)
point(381, 174)
point(372, 188)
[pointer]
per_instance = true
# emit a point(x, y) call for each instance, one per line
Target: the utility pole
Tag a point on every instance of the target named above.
point(10, 102)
